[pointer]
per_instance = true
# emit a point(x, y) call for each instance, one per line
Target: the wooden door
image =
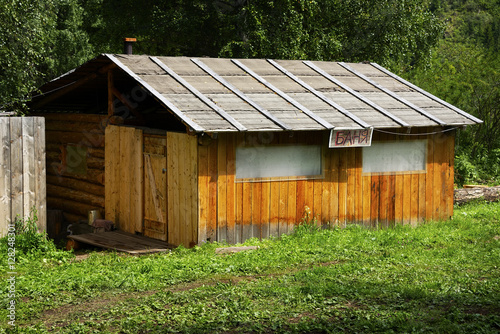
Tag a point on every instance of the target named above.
point(155, 187)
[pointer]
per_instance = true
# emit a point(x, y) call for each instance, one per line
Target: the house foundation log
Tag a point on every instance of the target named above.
point(466, 195)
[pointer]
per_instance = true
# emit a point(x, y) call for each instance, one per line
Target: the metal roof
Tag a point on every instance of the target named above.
point(215, 95)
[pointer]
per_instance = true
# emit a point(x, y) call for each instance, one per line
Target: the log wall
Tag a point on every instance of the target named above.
point(237, 211)
point(22, 170)
point(75, 193)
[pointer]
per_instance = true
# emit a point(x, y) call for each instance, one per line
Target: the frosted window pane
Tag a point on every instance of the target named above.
point(403, 156)
point(277, 161)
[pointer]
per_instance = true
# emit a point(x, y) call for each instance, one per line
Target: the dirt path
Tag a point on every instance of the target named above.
point(64, 315)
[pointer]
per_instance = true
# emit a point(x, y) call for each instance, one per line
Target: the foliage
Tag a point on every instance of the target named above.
point(482, 168)
point(21, 47)
point(38, 41)
point(355, 30)
point(54, 36)
point(30, 243)
point(380, 31)
point(465, 71)
point(471, 21)
point(28, 238)
point(439, 277)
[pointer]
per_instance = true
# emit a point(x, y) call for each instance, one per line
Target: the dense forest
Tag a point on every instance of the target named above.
point(448, 47)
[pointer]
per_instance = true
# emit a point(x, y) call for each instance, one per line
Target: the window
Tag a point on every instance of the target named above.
point(278, 162)
point(395, 157)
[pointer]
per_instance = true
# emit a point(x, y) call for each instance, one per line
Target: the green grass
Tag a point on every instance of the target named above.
point(442, 277)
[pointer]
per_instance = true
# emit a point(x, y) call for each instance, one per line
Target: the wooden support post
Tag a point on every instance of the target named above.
point(111, 108)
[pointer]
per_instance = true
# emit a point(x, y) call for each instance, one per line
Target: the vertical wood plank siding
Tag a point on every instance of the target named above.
point(22, 170)
point(128, 177)
point(182, 165)
point(234, 212)
point(124, 178)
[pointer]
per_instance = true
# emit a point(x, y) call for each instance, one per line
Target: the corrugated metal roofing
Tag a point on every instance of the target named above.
point(215, 95)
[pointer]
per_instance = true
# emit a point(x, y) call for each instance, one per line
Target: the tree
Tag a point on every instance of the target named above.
point(164, 27)
point(465, 71)
point(396, 31)
point(22, 44)
point(38, 41)
point(390, 31)
point(42, 39)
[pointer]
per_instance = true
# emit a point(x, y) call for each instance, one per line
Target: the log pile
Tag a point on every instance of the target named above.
point(469, 193)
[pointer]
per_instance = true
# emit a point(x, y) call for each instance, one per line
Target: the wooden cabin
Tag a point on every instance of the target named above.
point(192, 150)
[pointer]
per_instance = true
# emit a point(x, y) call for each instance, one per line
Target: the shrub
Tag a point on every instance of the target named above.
point(30, 243)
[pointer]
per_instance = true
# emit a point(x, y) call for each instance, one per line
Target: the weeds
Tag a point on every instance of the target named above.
point(28, 238)
point(32, 245)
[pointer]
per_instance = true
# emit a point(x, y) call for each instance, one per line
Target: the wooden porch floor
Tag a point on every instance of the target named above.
point(122, 242)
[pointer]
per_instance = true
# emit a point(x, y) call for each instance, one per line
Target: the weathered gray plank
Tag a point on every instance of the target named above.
point(139, 65)
point(348, 101)
point(259, 66)
point(450, 117)
point(411, 117)
point(320, 83)
point(284, 83)
point(366, 69)
point(206, 84)
point(392, 94)
point(123, 242)
point(318, 94)
point(347, 84)
point(281, 93)
point(183, 66)
point(164, 84)
point(5, 176)
point(420, 100)
point(188, 102)
point(29, 180)
point(40, 172)
point(16, 168)
point(209, 122)
point(199, 95)
point(385, 101)
point(429, 95)
point(393, 84)
point(156, 94)
point(240, 94)
point(223, 67)
point(246, 84)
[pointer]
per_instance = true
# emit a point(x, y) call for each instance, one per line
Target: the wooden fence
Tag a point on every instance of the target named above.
point(22, 170)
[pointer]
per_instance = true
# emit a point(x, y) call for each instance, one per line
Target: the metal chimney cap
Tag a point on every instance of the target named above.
point(127, 45)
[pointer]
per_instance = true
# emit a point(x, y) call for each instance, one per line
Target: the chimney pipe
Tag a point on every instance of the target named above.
point(127, 45)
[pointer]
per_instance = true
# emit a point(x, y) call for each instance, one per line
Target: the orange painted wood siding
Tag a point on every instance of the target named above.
point(235, 211)
point(182, 205)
